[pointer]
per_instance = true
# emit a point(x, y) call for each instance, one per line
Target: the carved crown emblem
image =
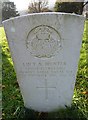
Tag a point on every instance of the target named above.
point(43, 41)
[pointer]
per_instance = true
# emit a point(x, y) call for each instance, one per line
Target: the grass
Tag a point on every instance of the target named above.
point(12, 103)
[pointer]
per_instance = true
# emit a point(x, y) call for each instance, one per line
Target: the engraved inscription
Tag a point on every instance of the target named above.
point(38, 69)
point(44, 68)
point(43, 41)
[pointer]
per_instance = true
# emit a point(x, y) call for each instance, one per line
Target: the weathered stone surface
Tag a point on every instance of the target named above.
point(45, 48)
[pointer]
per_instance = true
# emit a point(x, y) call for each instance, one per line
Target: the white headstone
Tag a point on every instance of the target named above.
point(45, 49)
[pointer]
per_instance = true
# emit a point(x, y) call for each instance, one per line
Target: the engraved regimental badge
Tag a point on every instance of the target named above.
point(43, 41)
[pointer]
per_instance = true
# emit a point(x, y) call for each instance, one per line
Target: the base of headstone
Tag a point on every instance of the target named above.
point(28, 114)
point(70, 113)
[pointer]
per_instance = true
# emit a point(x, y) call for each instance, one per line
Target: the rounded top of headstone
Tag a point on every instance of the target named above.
point(46, 13)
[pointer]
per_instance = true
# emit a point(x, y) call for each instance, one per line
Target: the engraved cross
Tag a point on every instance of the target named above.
point(46, 87)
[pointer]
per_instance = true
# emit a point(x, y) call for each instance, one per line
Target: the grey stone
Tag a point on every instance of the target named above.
point(45, 49)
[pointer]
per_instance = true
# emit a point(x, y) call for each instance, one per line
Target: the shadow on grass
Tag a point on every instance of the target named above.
point(69, 113)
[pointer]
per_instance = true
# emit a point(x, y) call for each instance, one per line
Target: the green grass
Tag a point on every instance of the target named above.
point(12, 102)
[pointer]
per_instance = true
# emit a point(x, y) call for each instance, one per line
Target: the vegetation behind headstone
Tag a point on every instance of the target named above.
point(38, 6)
point(69, 7)
point(8, 10)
